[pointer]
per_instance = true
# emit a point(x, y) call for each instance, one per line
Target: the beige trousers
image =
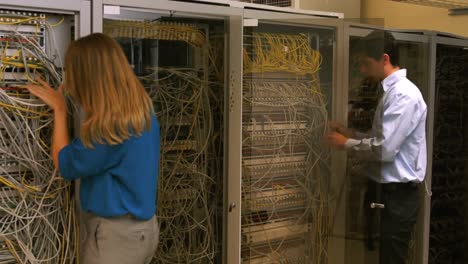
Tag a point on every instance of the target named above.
point(120, 240)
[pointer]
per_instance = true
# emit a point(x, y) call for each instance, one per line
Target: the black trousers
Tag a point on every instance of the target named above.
point(397, 221)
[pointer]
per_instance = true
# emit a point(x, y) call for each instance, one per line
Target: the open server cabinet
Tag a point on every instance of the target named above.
point(291, 88)
point(243, 97)
point(38, 220)
point(361, 221)
point(448, 227)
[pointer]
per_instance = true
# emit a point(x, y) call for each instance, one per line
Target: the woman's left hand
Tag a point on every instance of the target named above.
point(53, 98)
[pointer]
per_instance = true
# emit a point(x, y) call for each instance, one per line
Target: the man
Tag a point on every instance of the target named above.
point(396, 146)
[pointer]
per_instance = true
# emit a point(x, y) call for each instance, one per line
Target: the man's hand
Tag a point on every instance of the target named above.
point(336, 140)
point(338, 127)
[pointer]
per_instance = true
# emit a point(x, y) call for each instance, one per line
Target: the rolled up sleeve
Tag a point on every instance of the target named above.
point(77, 161)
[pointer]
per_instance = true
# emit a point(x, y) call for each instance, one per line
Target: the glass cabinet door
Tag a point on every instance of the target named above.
point(179, 58)
point(287, 81)
point(363, 208)
point(449, 204)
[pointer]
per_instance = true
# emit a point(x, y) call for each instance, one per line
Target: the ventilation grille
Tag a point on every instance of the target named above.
point(280, 3)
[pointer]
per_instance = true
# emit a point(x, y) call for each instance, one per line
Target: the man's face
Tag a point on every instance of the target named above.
point(370, 67)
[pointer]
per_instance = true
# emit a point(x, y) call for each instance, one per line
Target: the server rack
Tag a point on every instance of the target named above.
point(34, 37)
point(231, 179)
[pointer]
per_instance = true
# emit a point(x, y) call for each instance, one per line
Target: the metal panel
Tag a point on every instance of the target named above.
point(404, 35)
point(293, 10)
point(410, 37)
point(63, 6)
point(451, 41)
point(273, 9)
point(430, 149)
point(284, 16)
point(84, 24)
point(191, 8)
point(97, 16)
point(234, 143)
point(337, 243)
point(361, 30)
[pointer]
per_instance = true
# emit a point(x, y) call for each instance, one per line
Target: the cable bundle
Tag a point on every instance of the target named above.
point(190, 166)
point(280, 53)
point(186, 208)
point(37, 213)
point(285, 166)
point(155, 30)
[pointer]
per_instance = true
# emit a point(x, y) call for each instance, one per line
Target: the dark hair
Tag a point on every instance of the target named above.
point(377, 43)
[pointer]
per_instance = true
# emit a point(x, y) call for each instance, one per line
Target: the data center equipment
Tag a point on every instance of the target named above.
point(279, 3)
point(180, 63)
point(243, 94)
point(448, 226)
point(37, 211)
point(285, 167)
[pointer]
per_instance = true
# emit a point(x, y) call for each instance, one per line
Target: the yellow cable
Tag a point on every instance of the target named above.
point(58, 23)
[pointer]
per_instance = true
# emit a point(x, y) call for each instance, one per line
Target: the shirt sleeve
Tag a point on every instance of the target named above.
point(399, 119)
point(361, 135)
point(77, 161)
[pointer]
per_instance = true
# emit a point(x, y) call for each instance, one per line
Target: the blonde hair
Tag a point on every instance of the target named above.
point(99, 78)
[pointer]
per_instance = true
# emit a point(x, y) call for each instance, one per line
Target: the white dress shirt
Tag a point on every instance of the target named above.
point(396, 146)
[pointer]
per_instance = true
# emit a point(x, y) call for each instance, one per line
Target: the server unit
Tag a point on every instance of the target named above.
point(243, 112)
point(448, 218)
point(180, 62)
point(244, 94)
point(286, 86)
point(37, 210)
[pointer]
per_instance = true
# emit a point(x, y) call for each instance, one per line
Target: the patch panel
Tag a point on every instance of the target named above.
point(10, 166)
point(252, 140)
point(275, 259)
point(181, 194)
point(291, 255)
point(274, 231)
point(273, 160)
point(281, 150)
point(281, 126)
point(275, 199)
point(179, 145)
point(273, 108)
point(280, 169)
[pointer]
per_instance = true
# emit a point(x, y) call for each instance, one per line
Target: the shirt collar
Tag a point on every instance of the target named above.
point(393, 78)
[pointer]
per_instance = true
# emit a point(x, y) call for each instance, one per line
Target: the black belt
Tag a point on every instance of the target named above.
point(399, 186)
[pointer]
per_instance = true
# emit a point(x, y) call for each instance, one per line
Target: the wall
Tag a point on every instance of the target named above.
point(350, 8)
point(410, 16)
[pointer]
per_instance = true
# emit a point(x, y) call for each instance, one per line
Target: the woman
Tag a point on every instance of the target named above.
point(116, 155)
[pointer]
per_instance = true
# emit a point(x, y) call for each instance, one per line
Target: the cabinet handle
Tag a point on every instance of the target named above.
point(377, 205)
